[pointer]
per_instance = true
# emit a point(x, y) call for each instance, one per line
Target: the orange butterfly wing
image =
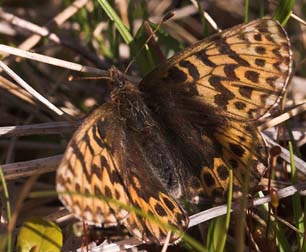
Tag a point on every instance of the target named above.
point(115, 156)
point(216, 88)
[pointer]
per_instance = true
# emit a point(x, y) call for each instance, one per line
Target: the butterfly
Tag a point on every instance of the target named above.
point(177, 133)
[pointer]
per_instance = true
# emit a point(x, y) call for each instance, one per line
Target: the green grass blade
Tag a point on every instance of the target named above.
point(8, 210)
point(246, 11)
point(202, 18)
point(127, 37)
point(223, 235)
point(283, 11)
point(261, 8)
point(188, 239)
point(281, 238)
point(296, 200)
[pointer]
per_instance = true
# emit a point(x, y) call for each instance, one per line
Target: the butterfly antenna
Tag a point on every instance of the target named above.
point(164, 19)
point(74, 78)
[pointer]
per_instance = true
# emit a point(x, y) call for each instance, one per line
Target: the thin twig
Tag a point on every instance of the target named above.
point(45, 32)
point(39, 129)
point(15, 90)
point(57, 21)
point(208, 18)
point(51, 60)
point(29, 168)
point(283, 117)
point(8, 207)
point(31, 90)
point(299, 163)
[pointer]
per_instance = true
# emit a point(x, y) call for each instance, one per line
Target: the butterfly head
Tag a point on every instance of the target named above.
point(116, 79)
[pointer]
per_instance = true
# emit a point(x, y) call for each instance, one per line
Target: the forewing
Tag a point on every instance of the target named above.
point(208, 95)
point(89, 174)
point(242, 71)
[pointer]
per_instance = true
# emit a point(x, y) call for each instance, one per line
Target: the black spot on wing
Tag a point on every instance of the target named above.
point(192, 70)
point(240, 105)
point(160, 210)
point(236, 149)
point(243, 37)
point(242, 139)
point(97, 135)
point(80, 158)
point(88, 144)
point(252, 76)
point(276, 52)
point(224, 94)
point(71, 169)
point(270, 38)
point(108, 192)
point(229, 71)
point(96, 191)
point(224, 48)
point(222, 172)
point(175, 75)
point(262, 27)
point(260, 62)
point(77, 188)
point(208, 179)
point(271, 80)
point(117, 194)
point(260, 49)
point(96, 170)
point(233, 163)
point(276, 65)
point(102, 127)
point(201, 55)
point(61, 180)
point(246, 91)
point(168, 203)
point(285, 46)
point(258, 37)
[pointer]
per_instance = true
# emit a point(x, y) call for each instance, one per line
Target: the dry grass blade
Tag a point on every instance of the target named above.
point(16, 91)
point(58, 20)
point(209, 19)
point(32, 167)
point(43, 31)
point(297, 18)
point(51, 60)
point(201, 217)
point(283, 117)
point(32, 91)
point(38, 129)
point(299, 163)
